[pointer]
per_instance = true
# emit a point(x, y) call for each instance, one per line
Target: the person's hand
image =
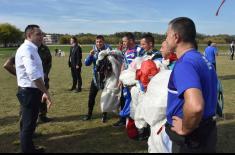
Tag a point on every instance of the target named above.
point(120, 84)
point(46, 98)
point(45, 76)
point(77, 67)
point(92, 52)
point(178, 126)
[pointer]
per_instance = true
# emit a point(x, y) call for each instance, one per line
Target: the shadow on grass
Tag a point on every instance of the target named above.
point(67, 90)
point(73, 118)
point(105, 139)
point(96, 140)
point(9, 120)
point(108, 139)
point(227, 77)
point(227, 117)
point(226, 136)
point(9, 142)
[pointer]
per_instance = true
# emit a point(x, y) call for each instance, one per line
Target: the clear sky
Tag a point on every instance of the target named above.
point(110, 16)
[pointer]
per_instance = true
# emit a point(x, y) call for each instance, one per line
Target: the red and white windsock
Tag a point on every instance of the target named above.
point(217, 13)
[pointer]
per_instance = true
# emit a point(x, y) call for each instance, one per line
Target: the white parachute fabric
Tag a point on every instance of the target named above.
point(111, 93)
point(152, 111)
point(153, 108)
point(159, 142)
point(136, 98)
point(162, 64)
point(128, 76)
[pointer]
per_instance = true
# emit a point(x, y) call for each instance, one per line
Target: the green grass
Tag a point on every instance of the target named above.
point(68, 133)
point(7, 52)
point(66, 49)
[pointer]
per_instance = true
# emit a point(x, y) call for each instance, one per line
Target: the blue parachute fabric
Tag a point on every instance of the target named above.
point(127, 96)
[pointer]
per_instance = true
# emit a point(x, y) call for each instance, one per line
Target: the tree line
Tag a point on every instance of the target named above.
point(10, 35)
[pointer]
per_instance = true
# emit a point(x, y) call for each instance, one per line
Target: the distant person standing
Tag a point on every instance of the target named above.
point(30, 79)
point(75, 63)
point(45, 55)
point(232, 50)
point(210, 53)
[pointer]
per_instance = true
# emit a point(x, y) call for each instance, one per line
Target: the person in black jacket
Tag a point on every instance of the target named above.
point(75, 63)
point(232, 50)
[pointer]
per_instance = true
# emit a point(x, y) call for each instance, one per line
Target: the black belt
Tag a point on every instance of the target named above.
point(200, 132)
point(28, 88)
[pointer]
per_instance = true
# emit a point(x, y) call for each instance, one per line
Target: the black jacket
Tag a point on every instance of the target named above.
point(75, 57)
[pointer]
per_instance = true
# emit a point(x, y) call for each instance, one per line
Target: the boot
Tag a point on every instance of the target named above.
point(88, 116)
point(44, 119)
point(104, 117)
point(120, 123)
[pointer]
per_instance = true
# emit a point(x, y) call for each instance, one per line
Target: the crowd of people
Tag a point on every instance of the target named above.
point(190, 104)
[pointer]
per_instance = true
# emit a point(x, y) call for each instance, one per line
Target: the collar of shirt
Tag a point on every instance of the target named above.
point(149, 52)
point(103, 48)
point(187, 51)
point(27, 42)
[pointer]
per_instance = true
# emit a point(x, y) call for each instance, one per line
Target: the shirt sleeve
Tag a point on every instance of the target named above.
point(32, 69)
point(89, 60)
point(216, 51)
point(186, 77)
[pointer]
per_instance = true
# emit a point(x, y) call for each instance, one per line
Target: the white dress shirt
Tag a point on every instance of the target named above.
point(28, 65)
point(231, 45)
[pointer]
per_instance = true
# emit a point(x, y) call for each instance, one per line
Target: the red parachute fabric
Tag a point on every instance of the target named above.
point(172, 57)
point(131, 129)
point(146, 72)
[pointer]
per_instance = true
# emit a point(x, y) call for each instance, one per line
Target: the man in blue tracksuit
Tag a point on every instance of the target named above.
point(94, 88)
point(132, 51)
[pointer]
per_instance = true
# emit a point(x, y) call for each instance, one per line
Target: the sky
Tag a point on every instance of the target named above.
point(110, 16)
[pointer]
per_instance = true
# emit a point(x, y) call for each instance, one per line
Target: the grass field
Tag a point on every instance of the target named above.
point(68, 133)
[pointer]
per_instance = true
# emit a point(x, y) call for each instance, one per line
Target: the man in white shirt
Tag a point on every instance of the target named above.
point(30, 79)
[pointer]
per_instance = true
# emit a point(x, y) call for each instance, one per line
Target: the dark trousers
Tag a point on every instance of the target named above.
point(214, 64)
point(30, 100)
point(122, 100)
point(43, 106)
point(201, 140)
point(77, 78)
point(92, 95)
point(232, 55)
